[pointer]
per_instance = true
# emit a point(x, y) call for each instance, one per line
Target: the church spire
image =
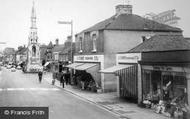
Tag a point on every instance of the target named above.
point(33, 16)
point(33, 38)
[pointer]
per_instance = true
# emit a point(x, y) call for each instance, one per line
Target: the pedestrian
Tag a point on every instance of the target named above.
point(54, 77)
point(67, 77)
point(40, 73)
point(62, 80)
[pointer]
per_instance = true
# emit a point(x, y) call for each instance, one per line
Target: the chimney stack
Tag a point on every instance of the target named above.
point(123, 9)
point(57, 41)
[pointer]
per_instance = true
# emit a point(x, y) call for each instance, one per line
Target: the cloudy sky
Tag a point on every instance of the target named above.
point(15, 16)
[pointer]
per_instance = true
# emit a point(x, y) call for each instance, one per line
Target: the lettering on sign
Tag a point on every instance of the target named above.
point(90, 58)
point(129, 58)
point(162, 68)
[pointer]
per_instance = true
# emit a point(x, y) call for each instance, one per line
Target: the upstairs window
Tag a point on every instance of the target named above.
point(94, 37)
point(80, 44)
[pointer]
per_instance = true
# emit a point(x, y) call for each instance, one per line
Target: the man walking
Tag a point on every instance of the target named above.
point(62, 80)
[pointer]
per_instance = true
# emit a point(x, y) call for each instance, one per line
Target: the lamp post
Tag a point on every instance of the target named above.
point(71, 54)
point(70, 23)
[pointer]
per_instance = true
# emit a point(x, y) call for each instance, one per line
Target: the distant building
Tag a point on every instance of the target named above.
point(48, 54)
point(66, 54)
point(56, 57)
point(21, 55)
point(168, 17)
point(9, 55)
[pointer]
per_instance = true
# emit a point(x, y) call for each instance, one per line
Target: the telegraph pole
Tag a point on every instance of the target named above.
point(70, 23)
point(71, 53)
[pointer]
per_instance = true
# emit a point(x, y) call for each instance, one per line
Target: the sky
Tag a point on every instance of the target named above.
point(15, 17)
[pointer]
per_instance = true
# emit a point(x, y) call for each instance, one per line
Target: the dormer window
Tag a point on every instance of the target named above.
point(144, 38)
point(80, 44)
point(94, 37)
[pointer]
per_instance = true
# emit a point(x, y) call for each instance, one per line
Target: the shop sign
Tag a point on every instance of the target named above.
point(167, 68)
point(89, 58)
point(128, 58)
point(167, 17)
point(162, 68)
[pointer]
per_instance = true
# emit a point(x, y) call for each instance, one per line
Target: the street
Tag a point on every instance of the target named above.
point(23, 90)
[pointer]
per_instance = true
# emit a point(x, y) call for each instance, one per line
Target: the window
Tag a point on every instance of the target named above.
point(56, 56)
point(33, 51)
point(94, 37)
point(145, 38)
point(80, 44)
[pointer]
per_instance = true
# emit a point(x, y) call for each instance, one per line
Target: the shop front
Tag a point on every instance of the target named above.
point(165, 82)
point(86, 71)
point(127, 72)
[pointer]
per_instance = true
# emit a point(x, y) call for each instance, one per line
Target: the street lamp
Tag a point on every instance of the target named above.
point(70, 23)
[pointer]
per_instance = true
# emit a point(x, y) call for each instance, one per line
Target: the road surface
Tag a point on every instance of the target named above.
point(19, 90)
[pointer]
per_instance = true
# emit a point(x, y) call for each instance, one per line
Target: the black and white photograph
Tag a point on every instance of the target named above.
point(94, 59)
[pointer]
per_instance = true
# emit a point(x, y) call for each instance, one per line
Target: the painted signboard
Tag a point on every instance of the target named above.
point(128, 58)
point(89, 58)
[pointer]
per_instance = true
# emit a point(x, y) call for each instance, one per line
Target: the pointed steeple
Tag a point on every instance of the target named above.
point(33, 38)
point(33, 16)
point(33, 11)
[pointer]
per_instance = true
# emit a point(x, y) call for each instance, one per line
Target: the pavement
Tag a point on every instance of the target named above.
point(110, 102)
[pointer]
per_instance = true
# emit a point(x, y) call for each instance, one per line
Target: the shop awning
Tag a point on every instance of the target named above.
point(47, 63)
point(85, 66)
point(74, 65)
point(115, 68)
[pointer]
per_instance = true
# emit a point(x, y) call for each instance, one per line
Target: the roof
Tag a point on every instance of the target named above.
point(162, 43)
point(43, 46)
point(23, 50)
point(131, 22)
point(58, 48)
point(50, 45)
point(9, 51)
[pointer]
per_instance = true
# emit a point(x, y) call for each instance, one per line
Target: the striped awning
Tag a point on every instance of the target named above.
point(86, 66)
point(74, 65)
point(115, 68)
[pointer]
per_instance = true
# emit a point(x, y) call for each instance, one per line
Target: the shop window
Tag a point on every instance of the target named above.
point(166, 88)
point(94, 37)
point(145, 38)
point(146, 83)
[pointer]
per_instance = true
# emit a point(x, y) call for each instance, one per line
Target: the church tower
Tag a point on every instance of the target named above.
point(33, 62)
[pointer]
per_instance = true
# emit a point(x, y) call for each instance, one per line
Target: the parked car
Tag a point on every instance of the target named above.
point(18, 67)
point(9, 66)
